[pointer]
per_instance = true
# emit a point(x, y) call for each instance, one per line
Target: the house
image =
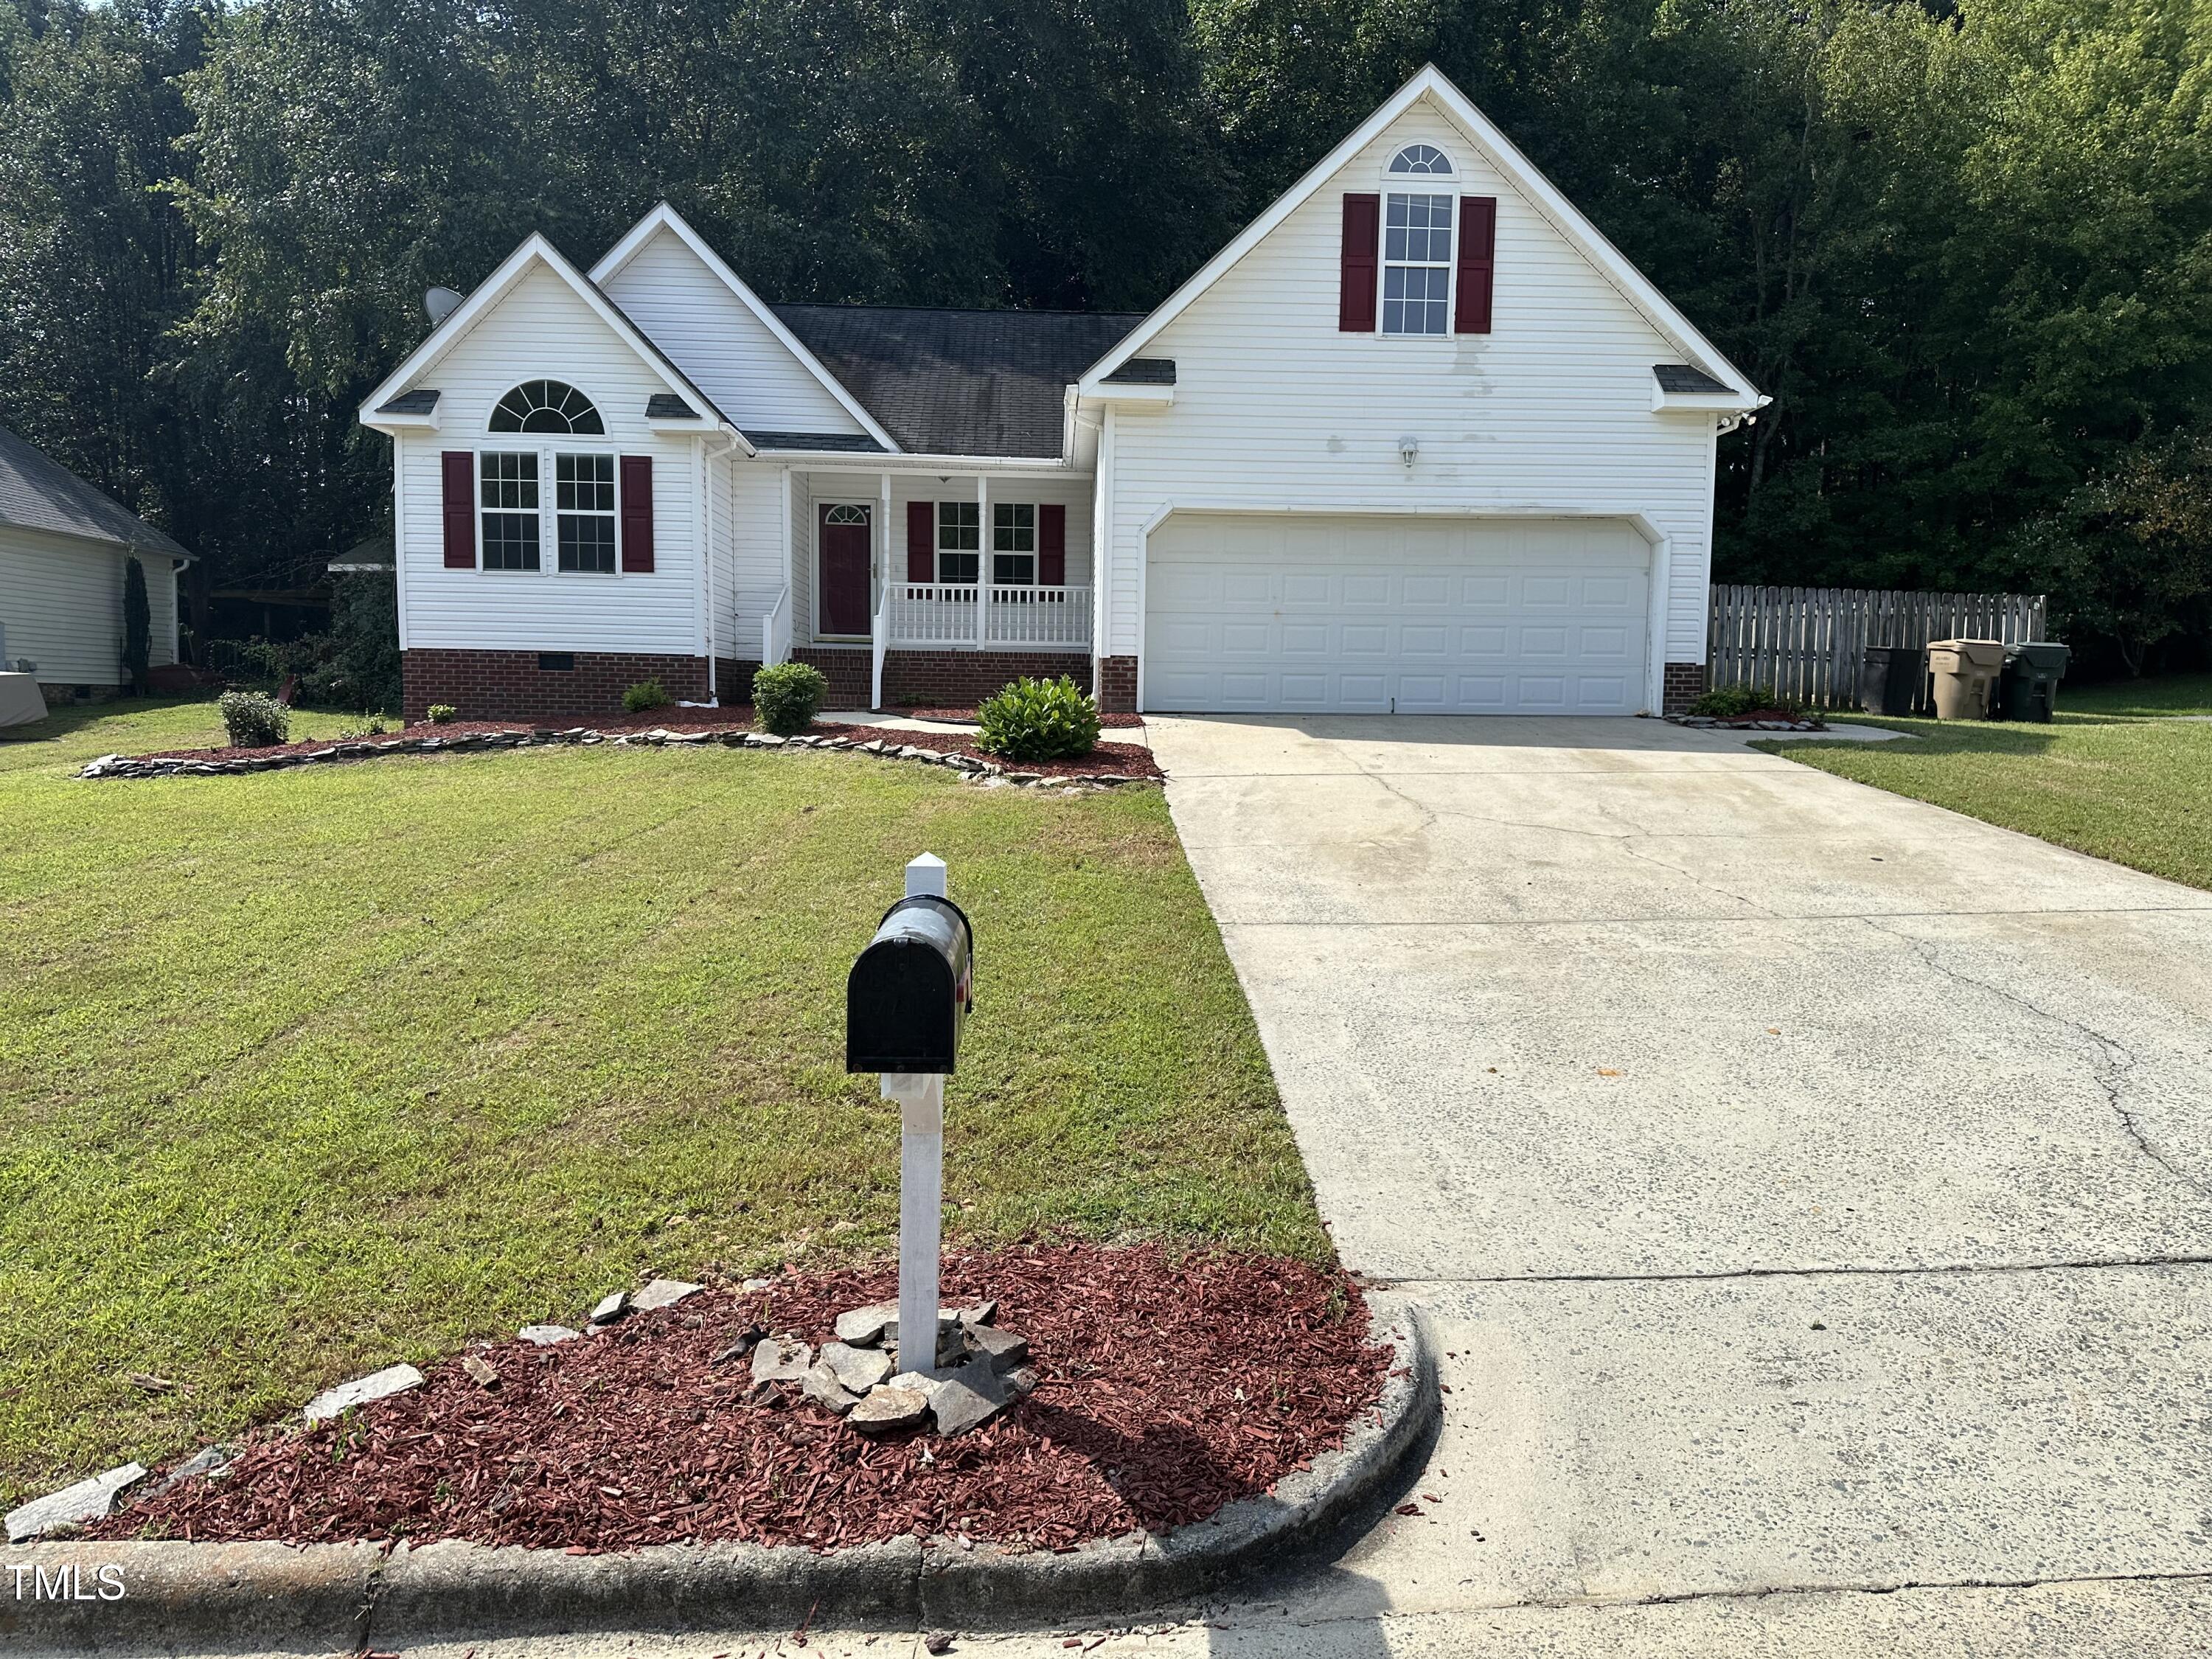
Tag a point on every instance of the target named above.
point(1418, 440)
point(63, 548)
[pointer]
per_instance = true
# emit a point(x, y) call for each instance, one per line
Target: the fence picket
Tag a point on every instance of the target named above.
point(1805, 645)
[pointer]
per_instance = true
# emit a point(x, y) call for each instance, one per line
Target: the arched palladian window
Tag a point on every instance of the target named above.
point(545, 406)
point(1422, 159)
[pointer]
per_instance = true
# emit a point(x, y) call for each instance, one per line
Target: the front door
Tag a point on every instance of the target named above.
point(845, 546)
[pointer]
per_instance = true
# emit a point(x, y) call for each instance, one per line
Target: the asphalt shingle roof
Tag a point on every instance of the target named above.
point(1681, 377)
point(38, 493)
point(960, 382)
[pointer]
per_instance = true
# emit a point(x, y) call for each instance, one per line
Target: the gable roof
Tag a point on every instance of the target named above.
point(1431, 84)
point(961, 382)
point(665, 217)
point(533, 251)
point(38, 493)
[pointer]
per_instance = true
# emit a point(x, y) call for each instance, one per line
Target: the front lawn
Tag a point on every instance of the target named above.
point(2165, 695)
point(2138, 791)
point(308, 1073)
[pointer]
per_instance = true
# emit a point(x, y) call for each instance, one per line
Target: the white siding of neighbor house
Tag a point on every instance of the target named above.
point(716, 338)
point(1275, 409)
point(542, 330)
point(60, 599)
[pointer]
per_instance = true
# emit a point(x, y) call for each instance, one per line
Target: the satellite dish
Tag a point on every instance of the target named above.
point(439, 303)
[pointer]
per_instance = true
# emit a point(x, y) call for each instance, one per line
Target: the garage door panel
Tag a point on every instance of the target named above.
point(1307, 614)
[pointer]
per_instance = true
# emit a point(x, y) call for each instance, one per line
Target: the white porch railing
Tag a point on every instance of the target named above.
point(951, 615)
point(776, 631)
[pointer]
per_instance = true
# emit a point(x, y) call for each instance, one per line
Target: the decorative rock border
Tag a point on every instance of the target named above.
point(358, 1597)
point(987, 773)
point(1714, 721)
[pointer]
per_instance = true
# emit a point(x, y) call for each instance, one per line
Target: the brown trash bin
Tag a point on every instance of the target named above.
point(1965, 672)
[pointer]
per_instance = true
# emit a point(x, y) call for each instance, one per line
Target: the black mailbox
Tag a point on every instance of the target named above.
point(911, 990)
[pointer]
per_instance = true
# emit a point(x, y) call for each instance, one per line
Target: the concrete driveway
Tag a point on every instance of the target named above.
point(1813, 1188)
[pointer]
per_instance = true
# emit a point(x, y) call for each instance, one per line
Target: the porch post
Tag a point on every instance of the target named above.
point(884, 538)
point(982, 560)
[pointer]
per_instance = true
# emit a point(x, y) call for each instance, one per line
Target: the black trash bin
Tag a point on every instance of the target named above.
point(1891, 677)
point(2029, 690)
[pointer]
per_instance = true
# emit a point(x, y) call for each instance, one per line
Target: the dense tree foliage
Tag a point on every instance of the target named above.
point(1968, 248)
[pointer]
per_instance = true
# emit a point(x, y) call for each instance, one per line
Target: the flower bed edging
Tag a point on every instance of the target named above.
point(355, 1597)
point(169, 766)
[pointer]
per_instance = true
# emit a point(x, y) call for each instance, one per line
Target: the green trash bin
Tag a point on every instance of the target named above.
point(2030, 687)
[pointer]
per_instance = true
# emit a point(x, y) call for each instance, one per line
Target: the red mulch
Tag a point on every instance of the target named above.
point(1110, 721)
point(1120, 760)
point(1168, 1389)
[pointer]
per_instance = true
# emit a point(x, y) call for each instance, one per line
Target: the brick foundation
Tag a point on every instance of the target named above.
point(509, 686)
point(937, 680)
point(1117, 685)
point(1685, 683)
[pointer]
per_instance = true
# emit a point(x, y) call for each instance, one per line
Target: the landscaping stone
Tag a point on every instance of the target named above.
point(738, 1345)
point(208, 1461)
point(968, 1397)
point(377, 1385)
point(663, 1294)
point(864, 1327)
point(481, 1371)
point(985, 1312)
point(1001, 1350)
point(546, 1336)
point(610, 1307)
point(776, 1361)
point(1024, 1380)
point(887, 1410)
point(72, 1506)
point(820, 1385)
point(856, 1369)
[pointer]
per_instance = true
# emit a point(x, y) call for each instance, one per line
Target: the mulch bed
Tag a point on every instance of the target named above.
point(1169, 1388)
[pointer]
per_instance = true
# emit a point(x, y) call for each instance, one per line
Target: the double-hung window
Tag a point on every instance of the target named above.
point(959, 542)
point(584, 504)
point(1417, 264)
point(1013, 543)
point(507, 483)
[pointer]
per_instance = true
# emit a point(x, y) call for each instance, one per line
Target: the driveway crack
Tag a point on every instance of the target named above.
point(2111, 1060)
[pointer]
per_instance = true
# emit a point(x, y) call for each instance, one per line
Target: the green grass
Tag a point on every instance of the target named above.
point(310, 1072)
point(2169, 694)
point(2138, 791)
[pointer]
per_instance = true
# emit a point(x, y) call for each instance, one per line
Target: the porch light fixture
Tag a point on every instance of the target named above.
point(1408, 448)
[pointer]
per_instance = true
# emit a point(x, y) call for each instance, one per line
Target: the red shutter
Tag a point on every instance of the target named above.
point(1052, 545)
point(1363, 242)
point(921, 541)
point(1478, 262)
point(459, 473)
point(637, 513)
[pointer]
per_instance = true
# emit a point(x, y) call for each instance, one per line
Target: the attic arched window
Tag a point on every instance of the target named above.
point(1422, 159)
point(545, 406)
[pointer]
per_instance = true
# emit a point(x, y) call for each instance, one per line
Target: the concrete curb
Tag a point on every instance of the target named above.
point(326, 1598)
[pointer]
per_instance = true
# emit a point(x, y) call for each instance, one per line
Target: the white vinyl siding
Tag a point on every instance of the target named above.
point(60, 600)
point(716, 339)
point(542, 330)
point(1310, 614)
point(1274, 408)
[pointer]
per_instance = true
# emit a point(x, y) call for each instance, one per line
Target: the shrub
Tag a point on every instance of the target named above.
point(1731, 702)
point(369, 726)
point(785, 695)
point(254, 719)
point(646, 694)
point(442, 712)
point(1039, 721)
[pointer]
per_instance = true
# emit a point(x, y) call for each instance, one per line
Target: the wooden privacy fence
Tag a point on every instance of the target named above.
point(1805, 644)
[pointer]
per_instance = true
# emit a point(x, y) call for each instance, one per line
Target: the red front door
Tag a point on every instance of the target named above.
point(844, 543)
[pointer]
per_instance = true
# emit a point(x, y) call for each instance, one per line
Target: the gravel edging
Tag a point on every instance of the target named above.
point(973, 769)
point(324, 1598)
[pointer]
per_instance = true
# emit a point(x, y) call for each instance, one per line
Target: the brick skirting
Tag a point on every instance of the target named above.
point(1117, 685)
point(936, 679)
point(848, 672)
point(1684, 684)
point(509, 686)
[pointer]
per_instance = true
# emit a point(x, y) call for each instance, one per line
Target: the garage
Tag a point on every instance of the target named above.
point(1302, 613)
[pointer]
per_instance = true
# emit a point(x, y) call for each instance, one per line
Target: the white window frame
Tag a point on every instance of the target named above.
point(482, 512)
point(613, 515)
point(1014, 510)
point(548, 509)
point(974, 550)
point(1404, 186)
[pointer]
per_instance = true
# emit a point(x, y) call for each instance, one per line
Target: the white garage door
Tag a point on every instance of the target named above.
point(1307, 615)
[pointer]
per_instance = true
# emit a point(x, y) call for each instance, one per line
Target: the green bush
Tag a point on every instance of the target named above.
point(646, 694)
point(785, 695)
point(442, 712)
point(1731, 702)
point(369, 726)
point(254, 719)
point(1039, 721)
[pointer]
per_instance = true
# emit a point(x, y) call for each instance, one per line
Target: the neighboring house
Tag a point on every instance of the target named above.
point(1418, 440)
point(63, 545)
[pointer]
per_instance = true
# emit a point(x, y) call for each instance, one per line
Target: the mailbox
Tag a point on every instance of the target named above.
point(911, 990)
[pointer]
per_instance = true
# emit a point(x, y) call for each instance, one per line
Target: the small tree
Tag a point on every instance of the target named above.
point(137, 624)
